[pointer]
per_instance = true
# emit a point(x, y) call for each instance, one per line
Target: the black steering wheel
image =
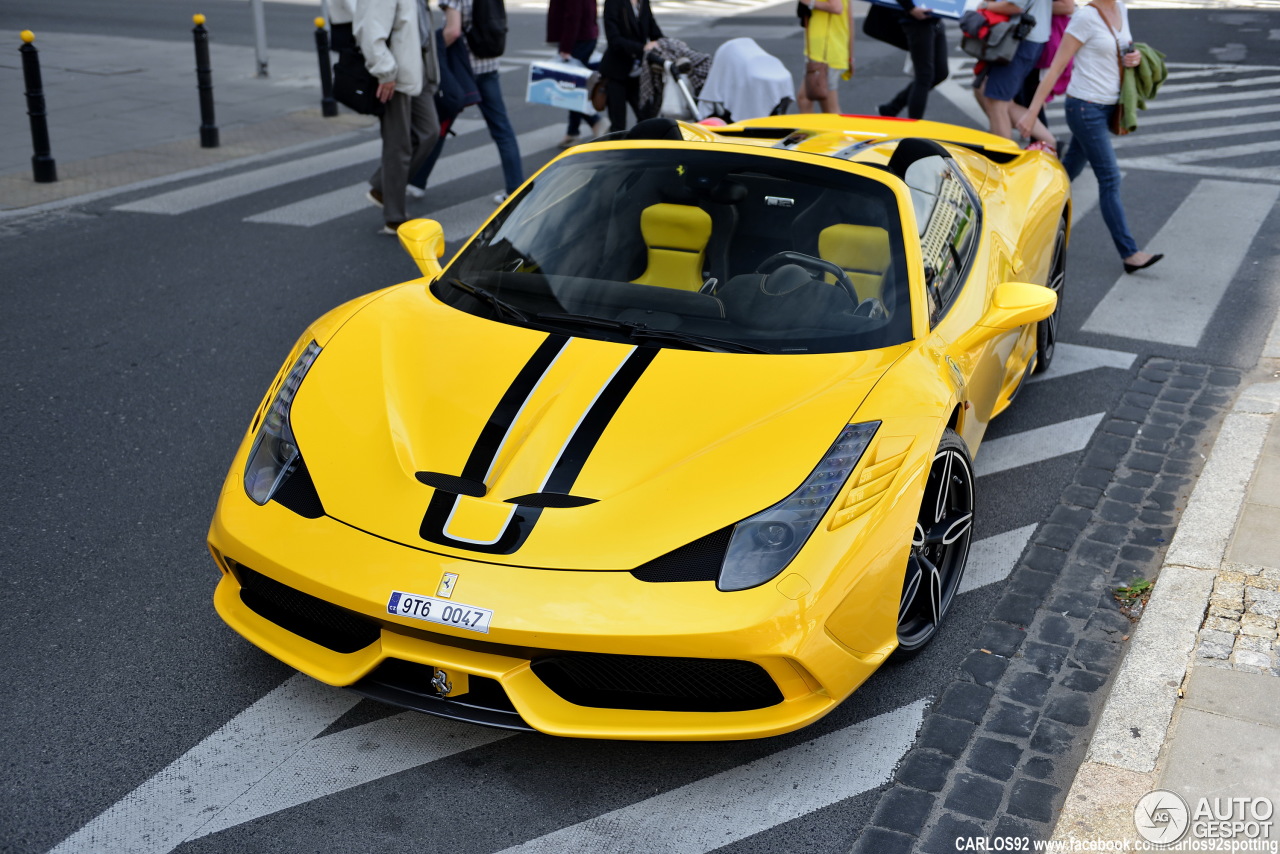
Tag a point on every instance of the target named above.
point(817, 265)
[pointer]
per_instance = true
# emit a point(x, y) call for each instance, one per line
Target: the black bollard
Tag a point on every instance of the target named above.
point(328, 106)
point(42, 165)
point(204, 82)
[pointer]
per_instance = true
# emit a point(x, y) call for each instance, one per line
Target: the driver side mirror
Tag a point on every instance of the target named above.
point(423, 239)
point(1016, 304)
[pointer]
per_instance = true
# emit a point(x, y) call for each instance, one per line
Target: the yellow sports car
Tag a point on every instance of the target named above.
point(678, 446)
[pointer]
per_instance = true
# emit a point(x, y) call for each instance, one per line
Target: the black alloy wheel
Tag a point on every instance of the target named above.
point(1047, 330)
point(939, 546)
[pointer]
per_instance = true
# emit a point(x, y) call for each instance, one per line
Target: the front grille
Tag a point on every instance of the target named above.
point(406, 684)
point(696, 561)
point(651, 683)
point(316, 620)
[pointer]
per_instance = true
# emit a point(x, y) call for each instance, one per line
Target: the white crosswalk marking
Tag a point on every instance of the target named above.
point(1033, 446)
point(346, 200)
point(737, 803)
point(1072, 359)
point(992, 559)
point(1218, 221)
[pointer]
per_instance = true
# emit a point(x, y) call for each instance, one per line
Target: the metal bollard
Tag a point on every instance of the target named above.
point(42, 165)
point(204, 82)
point(328, 106)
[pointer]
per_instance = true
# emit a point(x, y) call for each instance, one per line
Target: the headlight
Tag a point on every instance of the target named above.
point(763, 545)
point(275, 454)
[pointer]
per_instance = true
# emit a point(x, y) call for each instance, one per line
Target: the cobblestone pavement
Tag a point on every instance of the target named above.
point(999, 747)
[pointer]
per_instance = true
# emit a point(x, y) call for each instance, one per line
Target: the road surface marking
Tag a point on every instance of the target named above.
point(1037, 445)
point(722, 809)
point(1212, 230)
point(1073, 359)
point(992, 559)
point(347, 200)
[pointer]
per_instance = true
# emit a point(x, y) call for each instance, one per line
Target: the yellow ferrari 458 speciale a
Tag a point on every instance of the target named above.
point(678, 446)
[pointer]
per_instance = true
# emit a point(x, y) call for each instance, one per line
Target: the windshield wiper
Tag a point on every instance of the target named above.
point(639, 331)
point(481, 294)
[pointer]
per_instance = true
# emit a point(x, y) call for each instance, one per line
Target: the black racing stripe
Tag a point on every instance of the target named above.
point(504, 414)
point(566, 469)
point(584, 440)
point(486, 449)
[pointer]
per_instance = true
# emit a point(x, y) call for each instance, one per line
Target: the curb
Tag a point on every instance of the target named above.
point(1124, 753)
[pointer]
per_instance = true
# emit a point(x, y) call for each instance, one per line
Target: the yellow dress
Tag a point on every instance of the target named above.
point(826, 39)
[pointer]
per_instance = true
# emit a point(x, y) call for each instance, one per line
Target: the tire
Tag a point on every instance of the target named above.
point(939, 544)
point(1047, 330)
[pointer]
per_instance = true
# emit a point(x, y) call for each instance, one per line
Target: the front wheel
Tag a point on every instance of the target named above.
point(939, 545)
point(1047, 329)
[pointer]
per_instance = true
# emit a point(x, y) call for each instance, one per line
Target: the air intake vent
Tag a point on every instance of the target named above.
point(651, 683)
point(696, 561)
point(303, 614)
point(298, 493)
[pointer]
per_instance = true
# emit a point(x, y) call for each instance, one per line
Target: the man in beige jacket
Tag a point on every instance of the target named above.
point(397, 38)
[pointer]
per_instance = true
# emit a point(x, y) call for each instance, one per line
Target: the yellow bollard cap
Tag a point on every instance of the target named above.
point(319, 23)
point(199, 19)
point(28, 36)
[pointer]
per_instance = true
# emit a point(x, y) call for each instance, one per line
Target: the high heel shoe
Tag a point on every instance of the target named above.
point(1133, 268)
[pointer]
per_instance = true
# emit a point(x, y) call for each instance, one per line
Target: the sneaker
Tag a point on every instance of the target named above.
point(499, 198)
point(569, 141)
point(415, 192)
point(374, 196)
point(391, 228)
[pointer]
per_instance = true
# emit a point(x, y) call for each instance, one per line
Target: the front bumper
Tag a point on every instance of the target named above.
point(539, 616)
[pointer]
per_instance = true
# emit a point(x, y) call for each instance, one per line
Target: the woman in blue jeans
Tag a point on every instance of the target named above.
point(1099, 40)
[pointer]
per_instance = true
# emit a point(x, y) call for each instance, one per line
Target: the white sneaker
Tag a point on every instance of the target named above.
point(415, 192)
point(499, 198)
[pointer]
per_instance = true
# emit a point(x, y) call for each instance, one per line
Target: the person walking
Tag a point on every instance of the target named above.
point(996, 88)
point(1099, 40)
point(457, 20)
point(630, 32)
point(927, 45)
point(573, 27)
point(828, 38)
point(396, 38)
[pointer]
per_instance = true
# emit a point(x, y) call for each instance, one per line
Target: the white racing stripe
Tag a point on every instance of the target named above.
point(158, 815)
point(751, 798)
point(351, 758)
point(1035, 446)
point(348, 200)
point(993, 558)
point(1213, 229)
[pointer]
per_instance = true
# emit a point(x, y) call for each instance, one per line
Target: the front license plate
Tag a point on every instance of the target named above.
point(440, 611)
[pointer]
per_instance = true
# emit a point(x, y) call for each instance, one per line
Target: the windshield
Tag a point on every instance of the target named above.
point(708, 250)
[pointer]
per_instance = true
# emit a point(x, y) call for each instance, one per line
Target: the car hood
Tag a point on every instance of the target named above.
point(413, 404)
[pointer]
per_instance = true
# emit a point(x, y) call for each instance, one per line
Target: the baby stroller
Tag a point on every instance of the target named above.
point(670, 79)
point(745, 82)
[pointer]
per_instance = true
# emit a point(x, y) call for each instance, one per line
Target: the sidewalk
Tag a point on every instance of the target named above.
point(1195, 707)
point(124, 110)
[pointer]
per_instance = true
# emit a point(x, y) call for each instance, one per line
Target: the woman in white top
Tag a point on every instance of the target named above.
point(1099, 40)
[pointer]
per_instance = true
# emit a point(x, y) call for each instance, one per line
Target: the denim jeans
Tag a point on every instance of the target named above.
point(1091, 143)
point(495, 116)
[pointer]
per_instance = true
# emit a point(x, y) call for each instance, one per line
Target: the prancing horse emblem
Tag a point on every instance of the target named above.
point(440, 682)
point(445, 590)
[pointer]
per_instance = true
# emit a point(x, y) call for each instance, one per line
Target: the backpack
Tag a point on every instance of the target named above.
point(995, 43)
point(487, 36)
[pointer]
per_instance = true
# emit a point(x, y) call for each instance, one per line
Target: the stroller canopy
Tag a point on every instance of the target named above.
point(745, 81)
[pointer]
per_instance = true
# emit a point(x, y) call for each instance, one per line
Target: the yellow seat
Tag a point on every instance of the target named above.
point(862, 251)
point(676, 236)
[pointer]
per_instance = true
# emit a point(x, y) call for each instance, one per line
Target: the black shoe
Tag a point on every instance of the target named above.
point(1133, 268)
point(886, 110)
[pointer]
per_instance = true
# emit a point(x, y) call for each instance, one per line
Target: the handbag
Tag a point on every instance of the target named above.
point(1115, 122)
point(885, 25)
point(995, 43)
point(458, 89)
point(816, 76)
point(354, 86)
point(597, 92)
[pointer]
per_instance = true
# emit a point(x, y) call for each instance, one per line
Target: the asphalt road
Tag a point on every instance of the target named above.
point(136, 347)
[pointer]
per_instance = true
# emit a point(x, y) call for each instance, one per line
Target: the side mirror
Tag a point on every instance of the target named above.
point(1016, 304)
point(423, 239)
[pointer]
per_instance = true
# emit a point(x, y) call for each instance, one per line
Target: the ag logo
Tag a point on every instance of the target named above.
point(445, 590)
point(1161, 816)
